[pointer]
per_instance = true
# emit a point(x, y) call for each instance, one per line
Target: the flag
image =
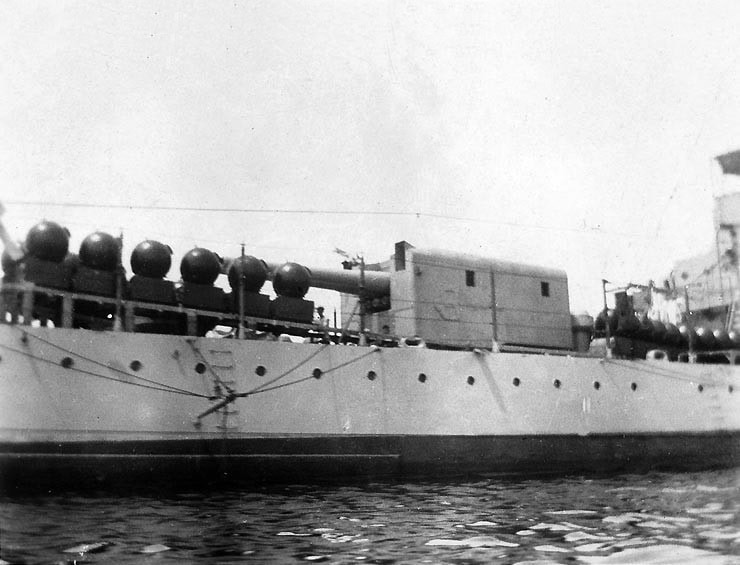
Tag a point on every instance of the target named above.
point(730, 163)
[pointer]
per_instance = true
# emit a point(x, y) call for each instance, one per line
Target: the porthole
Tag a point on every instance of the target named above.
point(556, 383)
point(422, 378)
point(200, 368)
point(260, 371)
point(316, 373)
point(67, 362)
point(471, 380)
point(730, 389)
point(700, 388)
point(633, 386)
point(135, 365)
point(371, 375)
point(516, 381)
point(597, 385)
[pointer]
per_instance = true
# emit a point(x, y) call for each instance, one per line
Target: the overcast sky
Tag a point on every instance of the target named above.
point(573, 134)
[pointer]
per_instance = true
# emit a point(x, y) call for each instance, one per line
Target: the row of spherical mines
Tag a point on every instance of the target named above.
point(48, 241)
point(666, 333)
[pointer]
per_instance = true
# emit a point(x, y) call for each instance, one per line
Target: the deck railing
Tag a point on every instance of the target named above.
point(19, 304)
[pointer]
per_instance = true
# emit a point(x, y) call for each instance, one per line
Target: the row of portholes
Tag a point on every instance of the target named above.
point(372, 375)
point(261, 371)
point(557, 383)
point(597, 385)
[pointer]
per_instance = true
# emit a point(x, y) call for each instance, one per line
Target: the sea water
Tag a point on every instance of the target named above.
point(641, 519)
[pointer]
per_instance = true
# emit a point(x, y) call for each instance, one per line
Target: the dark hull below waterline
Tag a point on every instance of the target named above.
point(342, 458)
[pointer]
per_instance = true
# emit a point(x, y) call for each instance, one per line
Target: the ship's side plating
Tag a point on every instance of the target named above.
point(108, 404)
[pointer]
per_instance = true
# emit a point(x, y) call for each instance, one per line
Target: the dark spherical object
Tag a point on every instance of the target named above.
point(627, 325)
point(672, 334)
point(200, 266)
point(722, 338)
point(71, 263)
point(659, 330)
point(151, 259)
point(706, 338)
point(644, 330)
point(251, 271)
point(688, 335)
point(292, 280)
point(99, 250)
point(48, 241)
point(601, 320)
point(734, 338)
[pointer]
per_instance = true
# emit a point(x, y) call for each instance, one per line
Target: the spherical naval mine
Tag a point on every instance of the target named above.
point(248, 271)
point(292, 280)
point(99, 250)
point(48, 241)
point(200, 266)
point(151, 259)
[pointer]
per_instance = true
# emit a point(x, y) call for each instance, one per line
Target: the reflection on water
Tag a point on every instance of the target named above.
point(651, 519)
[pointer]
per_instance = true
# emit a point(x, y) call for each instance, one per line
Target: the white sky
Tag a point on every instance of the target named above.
point(571, 134)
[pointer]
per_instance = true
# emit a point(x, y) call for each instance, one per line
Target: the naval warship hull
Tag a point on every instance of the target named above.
point(80, 406)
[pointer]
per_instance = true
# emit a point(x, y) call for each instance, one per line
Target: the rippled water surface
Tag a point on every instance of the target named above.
point(659, 518)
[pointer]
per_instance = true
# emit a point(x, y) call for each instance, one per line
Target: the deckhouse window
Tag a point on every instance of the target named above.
point(470, 278)
point(545, 288)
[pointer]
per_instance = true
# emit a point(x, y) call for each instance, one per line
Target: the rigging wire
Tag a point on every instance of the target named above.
point(260, 389)
point(115, 369)
point(325, 212)
point(659, 371)
point(149, 233)
point(265, 387)
point(162, 388)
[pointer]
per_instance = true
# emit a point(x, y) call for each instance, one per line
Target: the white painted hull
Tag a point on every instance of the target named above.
point(77, 390)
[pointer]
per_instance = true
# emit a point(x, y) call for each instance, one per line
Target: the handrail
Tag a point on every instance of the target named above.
point(129, 307)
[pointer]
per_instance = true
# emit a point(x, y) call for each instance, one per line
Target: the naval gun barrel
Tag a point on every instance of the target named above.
point(376, 283)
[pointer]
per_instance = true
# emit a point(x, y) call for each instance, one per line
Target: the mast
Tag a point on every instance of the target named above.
point(607, 333)
point(118, 320)
point(363, 337)
point(240, 289)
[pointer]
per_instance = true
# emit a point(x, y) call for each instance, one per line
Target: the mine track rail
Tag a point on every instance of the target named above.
point(10, 292)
